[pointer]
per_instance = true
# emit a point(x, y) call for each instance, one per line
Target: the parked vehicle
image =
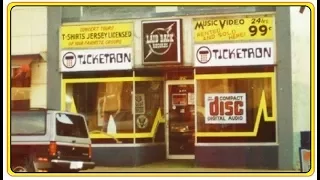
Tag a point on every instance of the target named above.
point(48, 140)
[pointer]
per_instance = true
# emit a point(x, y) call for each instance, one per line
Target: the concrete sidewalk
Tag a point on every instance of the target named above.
point(176, 166)
point(178, 170)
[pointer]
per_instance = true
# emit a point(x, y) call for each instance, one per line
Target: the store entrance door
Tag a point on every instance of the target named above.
point(180, 115)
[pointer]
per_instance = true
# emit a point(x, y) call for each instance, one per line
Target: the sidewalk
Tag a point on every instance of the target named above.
point(176, 166)
point(177, 170)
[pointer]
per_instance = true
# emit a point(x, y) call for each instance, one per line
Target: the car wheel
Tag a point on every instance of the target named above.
point(23, 166)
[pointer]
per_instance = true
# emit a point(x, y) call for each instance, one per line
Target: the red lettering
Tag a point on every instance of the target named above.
point(221, 108)
point(214, 107)
point(237, 108)
point(228, 108)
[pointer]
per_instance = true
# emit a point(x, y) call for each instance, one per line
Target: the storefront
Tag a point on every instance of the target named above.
point(199, 88)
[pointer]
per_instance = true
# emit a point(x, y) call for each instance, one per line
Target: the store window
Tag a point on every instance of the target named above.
point(107, 106)
point(232, 110)
point(20, 87)
point(148, 103)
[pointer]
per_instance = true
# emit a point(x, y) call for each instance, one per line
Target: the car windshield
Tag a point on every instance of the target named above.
point(28, 123)
point(71, 125)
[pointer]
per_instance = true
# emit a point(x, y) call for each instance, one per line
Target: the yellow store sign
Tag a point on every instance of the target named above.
point(96, 36)
point(242, 28)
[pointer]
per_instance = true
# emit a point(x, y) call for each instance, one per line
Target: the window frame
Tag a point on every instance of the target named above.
point(133, 79)
point(241, 75)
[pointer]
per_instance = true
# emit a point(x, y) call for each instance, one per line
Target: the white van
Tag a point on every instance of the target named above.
point(49, 141)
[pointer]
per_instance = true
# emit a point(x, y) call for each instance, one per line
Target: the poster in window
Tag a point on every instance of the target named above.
point(100, 110)
point(179, 99)
point(140, 104)
point(225, 108)
point(190, 98)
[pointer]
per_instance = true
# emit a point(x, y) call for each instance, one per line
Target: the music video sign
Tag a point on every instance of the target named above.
point(225, 108)
point(162, 41)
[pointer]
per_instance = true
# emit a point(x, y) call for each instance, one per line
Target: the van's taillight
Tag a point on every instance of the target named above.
point(52, 148)
point(90, 151)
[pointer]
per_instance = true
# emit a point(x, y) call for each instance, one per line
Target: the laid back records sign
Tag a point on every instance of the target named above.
point(162, 42)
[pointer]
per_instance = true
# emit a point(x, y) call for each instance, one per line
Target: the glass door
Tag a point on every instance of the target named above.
point(180, 125)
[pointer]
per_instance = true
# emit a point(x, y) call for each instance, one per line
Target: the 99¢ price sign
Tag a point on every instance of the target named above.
point(234, 28)
point(259, 25)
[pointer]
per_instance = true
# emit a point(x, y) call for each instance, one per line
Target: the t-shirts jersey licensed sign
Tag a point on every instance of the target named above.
point(96, 47)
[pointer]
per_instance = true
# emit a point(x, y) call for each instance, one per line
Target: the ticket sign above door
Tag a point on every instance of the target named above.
point(162, 42)
point(96, 59)
point(234, 54)
point(234, 28)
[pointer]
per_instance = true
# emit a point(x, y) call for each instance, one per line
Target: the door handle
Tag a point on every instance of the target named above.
point(73, 141)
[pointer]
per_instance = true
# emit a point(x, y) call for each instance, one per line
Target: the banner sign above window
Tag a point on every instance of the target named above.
point(241, 40)
point(234, 54)
point(234, 28)
point(96, 47)
point(96, 59)
point(96, 35)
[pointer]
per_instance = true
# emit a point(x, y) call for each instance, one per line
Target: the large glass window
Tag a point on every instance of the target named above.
point(28, 123)
point(20, 87)
point(107, 106)
point(148, 102)
point(235, 106)
point(71, 126)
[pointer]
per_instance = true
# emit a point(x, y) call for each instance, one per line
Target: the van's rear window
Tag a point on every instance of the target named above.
point(28, 123)
point(71, 126)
